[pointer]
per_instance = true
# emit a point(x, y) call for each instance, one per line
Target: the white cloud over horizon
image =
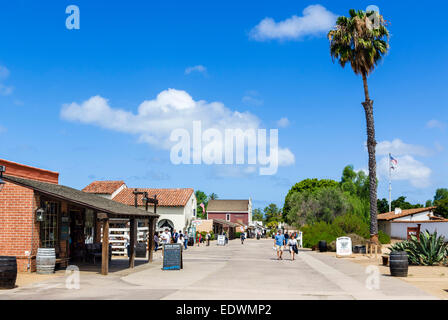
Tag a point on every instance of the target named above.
point(408, 169)
point(435, 124)
point(398, 148)
point(315, 20)
point(283, 122)
point(155, 119)
point(4, 89)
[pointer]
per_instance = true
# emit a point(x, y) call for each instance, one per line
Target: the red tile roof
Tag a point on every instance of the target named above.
point(167, 197)
point(391, 215)
point(103, 187)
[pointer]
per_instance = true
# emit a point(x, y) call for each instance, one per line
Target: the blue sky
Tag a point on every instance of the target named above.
point(130, 52)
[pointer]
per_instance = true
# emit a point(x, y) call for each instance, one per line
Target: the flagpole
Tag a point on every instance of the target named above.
point(390, 184)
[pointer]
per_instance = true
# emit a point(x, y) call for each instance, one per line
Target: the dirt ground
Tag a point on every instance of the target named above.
point(431, 279)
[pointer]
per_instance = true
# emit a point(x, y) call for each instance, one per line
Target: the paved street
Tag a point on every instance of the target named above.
point(248, 271)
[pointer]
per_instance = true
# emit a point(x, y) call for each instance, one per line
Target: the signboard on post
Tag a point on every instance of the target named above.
point(343, 246)
point(172, 256)
point(221, 240)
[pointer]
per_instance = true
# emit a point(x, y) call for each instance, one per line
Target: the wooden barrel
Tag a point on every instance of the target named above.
point(140, 250)
point(398, 264)
point(45, 260)
point(323, 246)
point(8, 272)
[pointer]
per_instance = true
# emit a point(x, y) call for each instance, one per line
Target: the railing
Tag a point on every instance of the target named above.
point(118, 238)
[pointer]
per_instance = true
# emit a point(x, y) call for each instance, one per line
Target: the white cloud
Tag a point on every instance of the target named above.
point(285, 157)
point(436, 124)
point(157, 118)
point(198, 68)
point(398, 148)
point(283, 122)
point(408, 169)
point(4, 73)
point(316, 20)
point(2, 129)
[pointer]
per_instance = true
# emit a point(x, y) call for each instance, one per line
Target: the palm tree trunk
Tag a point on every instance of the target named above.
point(371, 145)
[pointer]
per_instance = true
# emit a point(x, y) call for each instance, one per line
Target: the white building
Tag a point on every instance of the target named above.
point(177, 206)
point(396, 223)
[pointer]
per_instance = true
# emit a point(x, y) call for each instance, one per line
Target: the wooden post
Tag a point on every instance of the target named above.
point(151, 230)
point(132, 234)
point(105, 248)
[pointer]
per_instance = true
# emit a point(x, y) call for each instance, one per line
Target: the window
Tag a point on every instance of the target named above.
point(194, 212)
point(49, 227)
point(228, 217)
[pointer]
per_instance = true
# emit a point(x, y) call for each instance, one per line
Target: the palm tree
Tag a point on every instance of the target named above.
point(213, 196)
point(355, 39)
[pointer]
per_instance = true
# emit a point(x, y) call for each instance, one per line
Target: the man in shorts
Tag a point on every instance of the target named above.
point(279, 242)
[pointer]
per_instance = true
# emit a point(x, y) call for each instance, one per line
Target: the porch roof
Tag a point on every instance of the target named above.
point(89, 200)
point(224, 222)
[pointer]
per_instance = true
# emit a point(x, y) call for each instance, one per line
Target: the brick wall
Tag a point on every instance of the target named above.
point(17, 205)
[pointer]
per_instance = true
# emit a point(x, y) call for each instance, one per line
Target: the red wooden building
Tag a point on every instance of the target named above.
point(236, 211)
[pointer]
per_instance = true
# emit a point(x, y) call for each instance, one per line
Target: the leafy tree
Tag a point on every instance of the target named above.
point(383, 205)
point(401, 203)
point(441, 202)
point(322, 205)
point(257, 215)
point(358, 41)
point(441, 194)
point(356, 183)
point(306, 185)
point(428, 204)
point(201, 197)
point(272, 213)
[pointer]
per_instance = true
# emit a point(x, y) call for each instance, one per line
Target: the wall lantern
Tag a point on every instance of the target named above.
point(40, 215)
point(2, 183)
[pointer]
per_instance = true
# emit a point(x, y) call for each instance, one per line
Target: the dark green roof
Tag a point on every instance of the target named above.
point(89, 200)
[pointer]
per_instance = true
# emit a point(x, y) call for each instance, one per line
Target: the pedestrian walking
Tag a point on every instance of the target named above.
point(175, 236)
point(293, 246)
point(186, 238)
point(208, 238)
point(279, 242)
point(166, 237)
point(242, 237)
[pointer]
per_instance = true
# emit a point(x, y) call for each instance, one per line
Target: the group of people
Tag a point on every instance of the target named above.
point(282, 240)
point(167, 237)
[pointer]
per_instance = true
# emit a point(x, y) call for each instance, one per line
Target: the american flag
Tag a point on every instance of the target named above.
point(393, 162)
point(203, 207)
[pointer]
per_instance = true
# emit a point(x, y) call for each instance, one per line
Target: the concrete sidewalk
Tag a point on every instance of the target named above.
point(249, 271)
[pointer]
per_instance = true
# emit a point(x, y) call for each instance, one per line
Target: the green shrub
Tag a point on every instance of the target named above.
point(237, 234)
point(312, 234)
point(427, 251)
point(351, 223)
point(383, 237)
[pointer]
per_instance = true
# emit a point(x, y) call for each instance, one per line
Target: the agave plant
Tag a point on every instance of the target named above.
point(430, 249)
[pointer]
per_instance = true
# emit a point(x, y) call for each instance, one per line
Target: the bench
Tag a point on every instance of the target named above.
point(95, 251)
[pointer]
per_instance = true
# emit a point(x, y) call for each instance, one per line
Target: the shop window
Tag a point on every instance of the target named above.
point(228, 217)
point(49, 227)
point(194, 212)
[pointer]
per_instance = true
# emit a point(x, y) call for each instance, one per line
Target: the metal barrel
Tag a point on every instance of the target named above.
point(45, 260)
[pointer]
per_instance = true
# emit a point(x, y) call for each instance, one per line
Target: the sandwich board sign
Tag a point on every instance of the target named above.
point(172, 256)
point(221, 240)
point(343, 246)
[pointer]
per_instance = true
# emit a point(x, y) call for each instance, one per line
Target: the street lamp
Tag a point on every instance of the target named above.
point(2, 183)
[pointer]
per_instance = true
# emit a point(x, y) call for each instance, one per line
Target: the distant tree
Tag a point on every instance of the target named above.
point(212, 196)
point(356, 183)
point(201, 197)
point(272, 213)
point(257, 215)
point(441, 202)
point(441, 194)
point(322, 205)
point(383, 205)
point(428, 204)
point(310, 185)
point(401, 203)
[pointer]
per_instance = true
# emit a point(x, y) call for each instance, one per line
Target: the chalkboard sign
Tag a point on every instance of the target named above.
point(221, 240)
point(172, 256)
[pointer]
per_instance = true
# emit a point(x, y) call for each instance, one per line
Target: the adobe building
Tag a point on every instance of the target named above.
point(37, 212)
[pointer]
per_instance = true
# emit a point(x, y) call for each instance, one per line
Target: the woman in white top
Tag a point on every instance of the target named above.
point(292, 242)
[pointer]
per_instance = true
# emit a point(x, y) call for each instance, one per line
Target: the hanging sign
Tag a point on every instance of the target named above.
point(343, 246)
